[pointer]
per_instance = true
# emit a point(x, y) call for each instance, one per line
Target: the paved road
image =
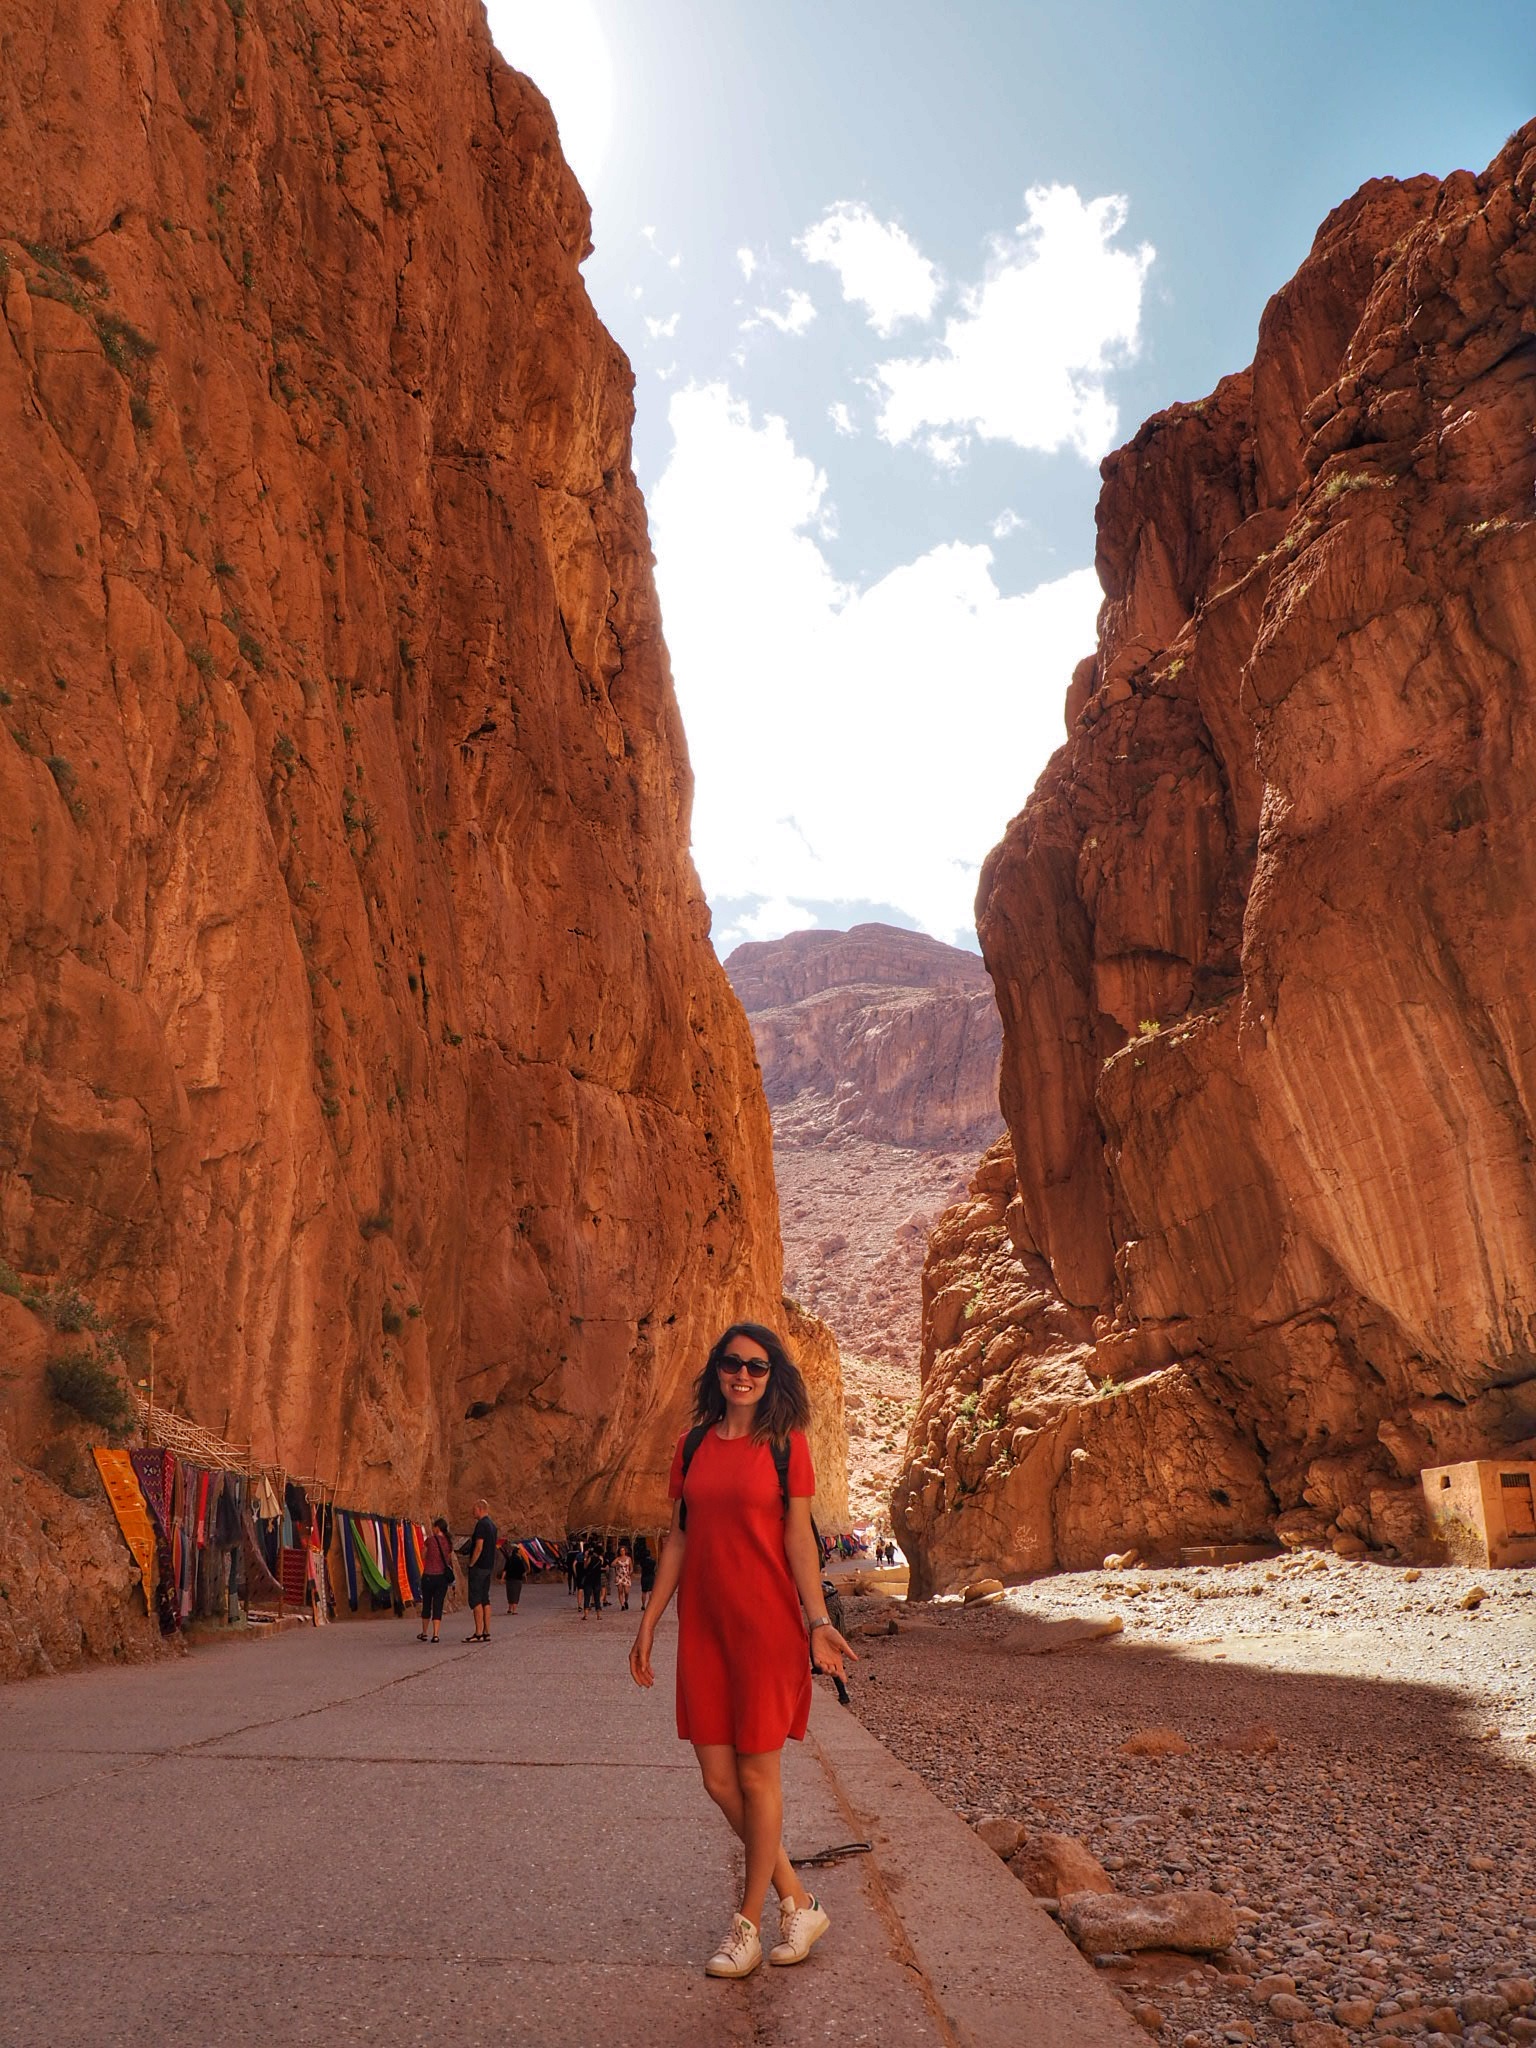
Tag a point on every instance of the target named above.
point(343, 1836)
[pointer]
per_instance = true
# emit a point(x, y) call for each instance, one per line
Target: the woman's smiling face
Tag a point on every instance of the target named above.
point(742, 1388)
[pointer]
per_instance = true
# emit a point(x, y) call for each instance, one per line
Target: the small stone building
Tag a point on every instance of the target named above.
point(1484, 1512)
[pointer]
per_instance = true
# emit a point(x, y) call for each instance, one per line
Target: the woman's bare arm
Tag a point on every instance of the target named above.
point(669, 1569)
point(828, 1647)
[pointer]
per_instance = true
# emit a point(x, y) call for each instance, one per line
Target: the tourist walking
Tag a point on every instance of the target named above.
point(514, 1571)
point(592, 1582)
point(742, 1557)
point(436, 1578)
point(481, 1549)
point(645, 1557)
point(623, 1576)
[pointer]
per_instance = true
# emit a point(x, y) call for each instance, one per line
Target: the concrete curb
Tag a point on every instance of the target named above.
point(998, 1970)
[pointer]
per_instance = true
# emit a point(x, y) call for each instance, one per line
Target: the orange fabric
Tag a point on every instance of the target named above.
point(127, 1498)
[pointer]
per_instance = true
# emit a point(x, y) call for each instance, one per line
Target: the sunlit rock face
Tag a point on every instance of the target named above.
point(360, 1036)
point(1264, 1239)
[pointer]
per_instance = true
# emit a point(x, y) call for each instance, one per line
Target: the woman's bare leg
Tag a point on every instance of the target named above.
point(724, 1773)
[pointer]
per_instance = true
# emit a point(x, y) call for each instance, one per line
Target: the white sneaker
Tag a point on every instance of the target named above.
point(800, 1928)
point(740, 1952)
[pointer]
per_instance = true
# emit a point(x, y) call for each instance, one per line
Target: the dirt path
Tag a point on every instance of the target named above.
point(1360, 1779)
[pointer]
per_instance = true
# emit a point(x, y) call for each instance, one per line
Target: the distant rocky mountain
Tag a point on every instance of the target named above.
point(876, 1030)
point(879, 1051)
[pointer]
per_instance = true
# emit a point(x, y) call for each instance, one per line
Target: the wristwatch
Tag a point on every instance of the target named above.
point(821, 1621)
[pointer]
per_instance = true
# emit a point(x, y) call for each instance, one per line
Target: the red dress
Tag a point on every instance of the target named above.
point(743, 1665)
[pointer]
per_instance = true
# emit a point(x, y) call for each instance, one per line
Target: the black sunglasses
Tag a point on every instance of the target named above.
point(732, 1363)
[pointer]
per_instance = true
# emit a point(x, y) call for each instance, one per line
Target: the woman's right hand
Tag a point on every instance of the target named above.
point(640, 1657)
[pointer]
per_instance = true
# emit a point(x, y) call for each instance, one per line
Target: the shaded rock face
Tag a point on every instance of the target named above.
point(1261, 1245)
point(360, 1037)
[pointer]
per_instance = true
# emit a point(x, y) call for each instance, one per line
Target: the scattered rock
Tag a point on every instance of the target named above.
point(983, 1592)
point(1319, 2034)
point(1198, 1923)
point(1000, 1834)
point(1121, 1560)
point(1149, 2016)
point(1255, 1740)
point(1474, 1597)
point(1354, 2012)
point(1052, 1866)
point(1285, 2005)
point(1155, 1742)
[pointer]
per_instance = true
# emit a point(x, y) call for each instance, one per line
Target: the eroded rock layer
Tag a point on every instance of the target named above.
point(1262, 1246)
point(360, 1037)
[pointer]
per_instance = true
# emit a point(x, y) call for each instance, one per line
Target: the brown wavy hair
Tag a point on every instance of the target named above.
point(785, 1404)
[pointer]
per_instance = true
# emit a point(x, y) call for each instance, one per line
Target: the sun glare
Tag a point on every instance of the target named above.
point(564, 51)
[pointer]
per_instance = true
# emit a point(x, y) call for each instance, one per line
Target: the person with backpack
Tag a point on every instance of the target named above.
point(436, 1578)
point(742, 1557)
point(514, 1570)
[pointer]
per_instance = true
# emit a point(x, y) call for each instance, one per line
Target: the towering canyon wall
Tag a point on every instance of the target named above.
point(1264, 1241)
point(360, 1038)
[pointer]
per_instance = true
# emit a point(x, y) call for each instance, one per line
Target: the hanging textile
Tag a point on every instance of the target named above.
point(375, 1578)
point(411, 1542)
point(295, 1573)
point(261, 1587)
point(349, 1557)
point(316, 1557)
point(121, 1482)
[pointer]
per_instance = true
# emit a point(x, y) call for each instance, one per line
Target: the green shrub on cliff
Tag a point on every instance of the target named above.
point(80, 1381)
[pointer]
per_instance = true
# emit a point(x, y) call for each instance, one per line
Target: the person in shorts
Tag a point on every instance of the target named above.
point(482, 1567)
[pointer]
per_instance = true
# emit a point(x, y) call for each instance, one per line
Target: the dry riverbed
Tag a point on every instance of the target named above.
point(1359, 1781)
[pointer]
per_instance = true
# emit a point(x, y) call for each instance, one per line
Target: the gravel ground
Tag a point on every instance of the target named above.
point(1360, 1779)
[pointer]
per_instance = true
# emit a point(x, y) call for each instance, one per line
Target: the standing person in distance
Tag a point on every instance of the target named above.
point(516, 1571)
point(482, 1564)
point(623, 1576)
point(646, 1559)
point(592, 1582)
point(436, 1578)
point(743, 1560)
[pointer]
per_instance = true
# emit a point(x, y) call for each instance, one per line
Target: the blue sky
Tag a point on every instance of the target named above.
point(893, 278)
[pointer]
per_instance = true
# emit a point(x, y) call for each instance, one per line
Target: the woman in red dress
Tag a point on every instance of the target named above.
point(742, 1565)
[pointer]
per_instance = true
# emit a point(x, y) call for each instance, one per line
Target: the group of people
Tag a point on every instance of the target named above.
point(479, 1550)
point(602, 1573)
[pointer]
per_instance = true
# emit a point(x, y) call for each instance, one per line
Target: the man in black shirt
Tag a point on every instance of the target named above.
point(482, 1563)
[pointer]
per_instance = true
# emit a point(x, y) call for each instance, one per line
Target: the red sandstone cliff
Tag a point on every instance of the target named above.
point(1262, 941)
point(360, 1035)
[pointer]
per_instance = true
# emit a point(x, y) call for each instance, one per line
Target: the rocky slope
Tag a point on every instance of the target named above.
point(1262, 1244)
point(360, 1036)
point(879, 1051)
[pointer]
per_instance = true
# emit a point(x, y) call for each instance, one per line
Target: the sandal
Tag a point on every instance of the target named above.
point(423, 1637)
point(472, 1639)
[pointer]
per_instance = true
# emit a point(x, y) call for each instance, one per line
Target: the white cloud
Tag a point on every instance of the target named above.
point(880, 266)
point(663, 329)
point(841, 417)
point(848, 743)
point(770, 919)
point(1006, 522)
point(747, 263)
point(1027, 357)
point(798, 313)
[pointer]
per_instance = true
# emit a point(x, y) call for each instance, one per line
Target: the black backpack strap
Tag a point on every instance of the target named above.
point(691, 1443)
point(781, 1466)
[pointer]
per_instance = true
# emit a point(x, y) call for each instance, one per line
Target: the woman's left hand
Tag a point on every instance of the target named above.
point(828, 1649)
